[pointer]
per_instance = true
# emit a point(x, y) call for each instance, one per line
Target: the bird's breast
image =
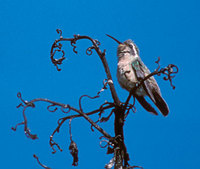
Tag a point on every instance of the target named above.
point(127, 77)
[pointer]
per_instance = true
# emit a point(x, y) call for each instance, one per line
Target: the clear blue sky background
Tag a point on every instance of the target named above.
point(169, 29)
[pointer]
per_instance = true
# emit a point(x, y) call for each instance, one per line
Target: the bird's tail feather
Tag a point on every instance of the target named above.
point(160, 103)
point(156, 97)
point(146, 105)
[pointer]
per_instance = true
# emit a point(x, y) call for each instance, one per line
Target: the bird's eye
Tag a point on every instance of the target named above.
point(131, 46)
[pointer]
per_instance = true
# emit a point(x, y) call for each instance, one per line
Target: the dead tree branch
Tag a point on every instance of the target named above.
point(115, 144)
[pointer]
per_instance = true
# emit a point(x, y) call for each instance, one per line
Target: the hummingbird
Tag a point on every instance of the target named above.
point(131, 70)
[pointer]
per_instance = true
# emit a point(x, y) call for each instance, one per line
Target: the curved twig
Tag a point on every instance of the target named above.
point(60, 122)
point(42, 165)
point(168, 73)
point(80, 99)
point(57, 47)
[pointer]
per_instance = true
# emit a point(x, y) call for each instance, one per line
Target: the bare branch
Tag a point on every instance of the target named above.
point(42, 165)
point(15, 128)
point(80, 106)
point(105, 83)
point(115, 145)
point(57, 47)
point(62, 107)
point(73, 147)
point(168, 71)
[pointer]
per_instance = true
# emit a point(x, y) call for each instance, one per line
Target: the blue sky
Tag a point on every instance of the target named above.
point(169, 29)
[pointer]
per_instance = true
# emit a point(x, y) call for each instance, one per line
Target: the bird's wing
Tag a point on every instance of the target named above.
point(150, 86)
point(140, 71)
point(140, 74)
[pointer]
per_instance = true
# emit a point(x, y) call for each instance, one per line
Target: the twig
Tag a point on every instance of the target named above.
point(57, 47)
point(73, 147)
point(42, 165)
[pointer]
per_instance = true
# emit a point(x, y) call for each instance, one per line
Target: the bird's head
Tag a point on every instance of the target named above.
point(127, 46)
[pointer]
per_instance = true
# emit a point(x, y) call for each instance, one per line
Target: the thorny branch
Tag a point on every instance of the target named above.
point(115, 145)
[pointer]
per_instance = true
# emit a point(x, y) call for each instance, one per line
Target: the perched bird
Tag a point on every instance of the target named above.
point(131, 70)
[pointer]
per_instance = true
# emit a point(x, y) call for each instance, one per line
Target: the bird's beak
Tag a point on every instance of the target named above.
point(114, 39)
